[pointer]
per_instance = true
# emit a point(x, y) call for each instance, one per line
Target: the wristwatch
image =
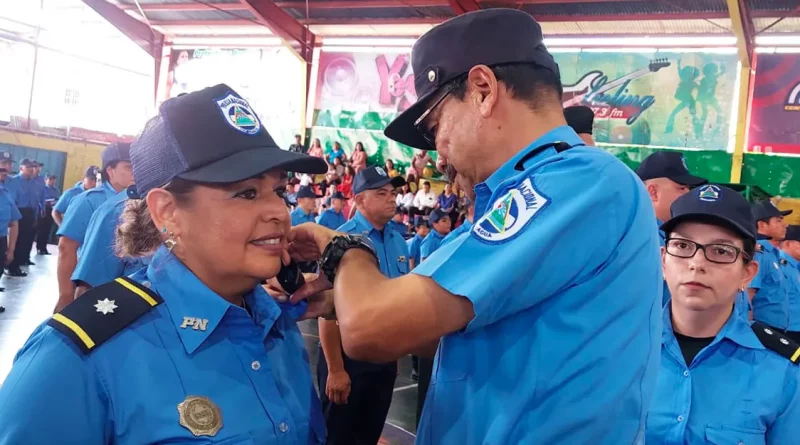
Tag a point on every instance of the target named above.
point(336, 249)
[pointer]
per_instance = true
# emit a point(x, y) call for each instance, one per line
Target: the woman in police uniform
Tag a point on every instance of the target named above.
point(191, 349)
point(722, 380)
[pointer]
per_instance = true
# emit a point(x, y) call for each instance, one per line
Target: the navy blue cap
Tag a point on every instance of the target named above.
point(306, 192)
point(580, 118)
point(116, 152)
point(670, 165)
point(25, 162)
point(372, 178)
point(715, 204)
point(792, 233)
point(487, 37)
point(764, 210)
point(420, 221)
point(91, 171)
point(436, 215)
point(210, 136)
point(5, 157)
point(338, 195)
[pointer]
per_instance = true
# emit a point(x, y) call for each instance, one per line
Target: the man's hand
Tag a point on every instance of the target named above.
point(337, 388)
point(308, 241)
point(316, 291)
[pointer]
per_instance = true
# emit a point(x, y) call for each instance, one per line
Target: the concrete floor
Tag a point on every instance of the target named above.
point(30, 300)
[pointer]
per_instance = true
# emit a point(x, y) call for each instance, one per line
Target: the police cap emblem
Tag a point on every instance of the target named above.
point(238, 114)
point(200, 416)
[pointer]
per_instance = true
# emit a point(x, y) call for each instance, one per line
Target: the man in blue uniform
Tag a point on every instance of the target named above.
point(421, 229)
point(440, 227)
point(9, 226)
point(29, 200)
point(356, 395)
point(51, 194)
point(333, 218)
point(667, 178)
point(549, 313)
point(10, 182)
point(398, 221)
point(117, 176)
point(769, 291)
point(790, 253)
point(306, 206)
point(88, 182)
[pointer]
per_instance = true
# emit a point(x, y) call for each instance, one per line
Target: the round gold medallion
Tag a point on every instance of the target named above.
point(200, 416)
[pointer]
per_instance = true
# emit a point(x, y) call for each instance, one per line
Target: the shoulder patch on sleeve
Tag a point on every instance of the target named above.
point(104, 311)
point(510, 213)
point(773, 340)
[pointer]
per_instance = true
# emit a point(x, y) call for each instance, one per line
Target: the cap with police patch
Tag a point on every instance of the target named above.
point(116, 152)
point(436, 215)
point(764, 210)
point(91, 171)
point(487, 37)
point(670, 165)
point(419, 221)
point(580, 118)
point(211, 136)
point(5, 157)
point(372, 178)
point(714, 204)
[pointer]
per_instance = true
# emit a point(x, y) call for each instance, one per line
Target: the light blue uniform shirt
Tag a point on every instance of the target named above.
point(126, 391)
point(11, 184)
point(791, 273)
point(63, 202)
point(465, 227)
point(390, 246)
point(734, 392)
point(564, 275)
point(301, 217)
point(31, 193)
point(8, 212)
point(97, 260)
point(331, 219)
point(413, 245)
point(771, 301)
point(662, 237)
point(430, 244)
point(76, 222)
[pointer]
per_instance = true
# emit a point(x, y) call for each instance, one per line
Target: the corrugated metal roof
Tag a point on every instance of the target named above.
point(209, 14)
point(640, 27)
point(442, 12)
point(789, 24)
point(773, 5)
point(627, 8)
point(173, 2)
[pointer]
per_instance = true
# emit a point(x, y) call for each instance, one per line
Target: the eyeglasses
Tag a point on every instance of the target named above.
point(430, 135)
point(716, 253)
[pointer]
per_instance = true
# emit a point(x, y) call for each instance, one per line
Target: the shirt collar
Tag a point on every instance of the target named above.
point(789, 259)
point(364, 227)
point(768, 247)
point(186, 296)
point(558, 134)
point(436, 234)
point(736, 329)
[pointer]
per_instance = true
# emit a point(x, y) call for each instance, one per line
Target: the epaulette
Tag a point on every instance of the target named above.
point(773, 340)
point(104, 311)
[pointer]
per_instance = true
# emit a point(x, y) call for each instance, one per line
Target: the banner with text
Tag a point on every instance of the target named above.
point(775, 109)
point(675, 100)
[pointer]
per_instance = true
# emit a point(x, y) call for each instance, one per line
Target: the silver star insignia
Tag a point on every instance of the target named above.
point(105, 306)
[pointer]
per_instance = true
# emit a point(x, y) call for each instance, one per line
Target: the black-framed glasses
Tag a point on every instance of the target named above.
point(716, 253)
point(429, 136)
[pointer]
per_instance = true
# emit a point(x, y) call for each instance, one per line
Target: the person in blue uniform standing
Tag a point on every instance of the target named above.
point(551, 247)
point(356, 395)
point(9, 226)
point(88, 182)
point(45, 226)
point(333, 218)
point(790, 254)
point(440, 227)
point(421, 231)
point(192, 348)
point(667, 178)
point(398, 221)
point(10, 183)
point(306, 206)
point(117, 176)
point(722, 380)
point(29, 200)
point(769, 291)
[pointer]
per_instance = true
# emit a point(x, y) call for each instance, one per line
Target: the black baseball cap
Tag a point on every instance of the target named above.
point(3, 170)
point(306, 192)
point(419, 221)
point(25, 162)
point(337, 195)
point(5, 157)
point(670, 165)
point(40, 164)
point(91, 171)
point(210, 136)
point(764, 210)
point(580, 118)
point(116, 152)
point(436, 215)
point(489, 37)
point(715, 204)
point(372, 178)
point(792, 233)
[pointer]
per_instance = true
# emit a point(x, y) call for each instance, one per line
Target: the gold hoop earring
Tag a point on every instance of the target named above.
point(170, 242)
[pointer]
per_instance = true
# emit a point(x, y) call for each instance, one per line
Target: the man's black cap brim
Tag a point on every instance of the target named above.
point(670, 225)
point(402, 128)
point(253, 162)
point(786, 212)
point(689, 180)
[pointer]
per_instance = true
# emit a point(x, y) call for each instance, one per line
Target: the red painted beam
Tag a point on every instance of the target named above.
point(463, 6)
point(284, 25)
point(334, 4)
point(148, 39)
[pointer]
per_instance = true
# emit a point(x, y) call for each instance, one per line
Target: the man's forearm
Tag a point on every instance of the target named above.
point(331, 340)
point(67, 260)
point(13, 233)
point(57, 217)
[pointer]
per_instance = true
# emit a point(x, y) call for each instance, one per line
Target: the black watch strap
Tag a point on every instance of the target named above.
point(336, 249)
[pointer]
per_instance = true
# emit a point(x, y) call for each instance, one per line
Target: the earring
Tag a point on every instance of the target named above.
point(164, 230)
point(741, 289)
point(170, 242)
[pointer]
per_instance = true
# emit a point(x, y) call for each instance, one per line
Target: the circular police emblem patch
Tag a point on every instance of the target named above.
point(381, 171)
point(510, 213)
point(200, 416)
point(238, 114)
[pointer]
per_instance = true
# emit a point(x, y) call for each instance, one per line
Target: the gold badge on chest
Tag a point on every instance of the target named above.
point(200, 416)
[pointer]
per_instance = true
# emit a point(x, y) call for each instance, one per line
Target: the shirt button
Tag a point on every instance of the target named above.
point(680, 418)
point(686, 373)
point(283, 427)
point(256, 365)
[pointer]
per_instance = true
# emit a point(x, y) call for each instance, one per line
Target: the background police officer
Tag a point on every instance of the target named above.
point(333, 218)
point(356, 395)
point(440, 226)
point(51, 194)
point(88, 182)
point(551, 247)
point(9, 226)
point(769, 295)
point(29, 200)
point(306, 206)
